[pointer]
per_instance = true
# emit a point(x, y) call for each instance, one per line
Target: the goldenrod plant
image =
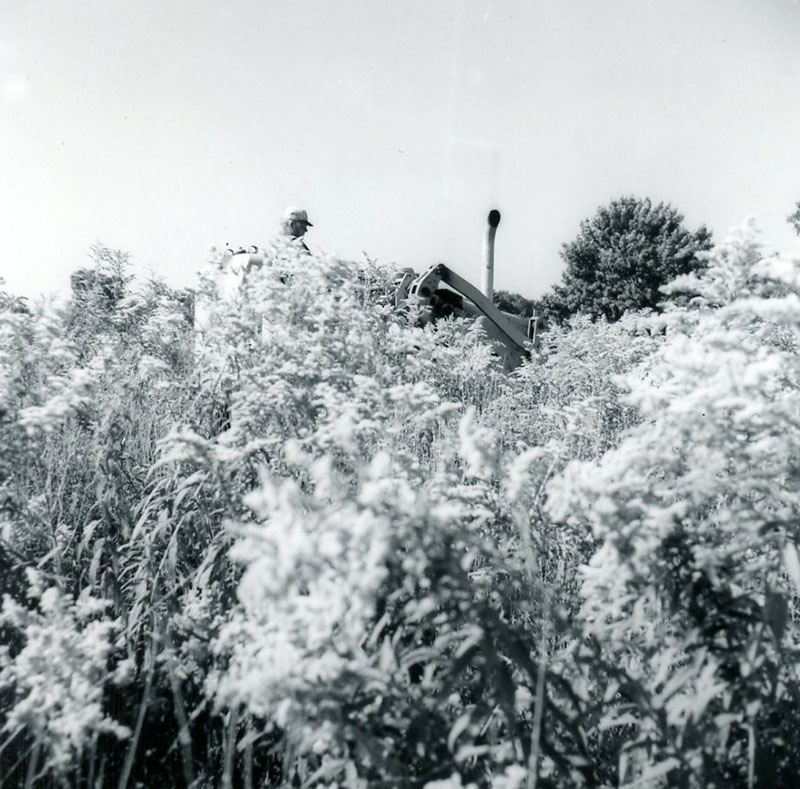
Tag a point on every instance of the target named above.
point(274, 532)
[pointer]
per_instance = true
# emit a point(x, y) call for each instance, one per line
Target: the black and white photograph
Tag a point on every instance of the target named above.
point(400, 394)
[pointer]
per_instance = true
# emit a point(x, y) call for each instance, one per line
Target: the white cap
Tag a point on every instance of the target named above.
point(293, 214)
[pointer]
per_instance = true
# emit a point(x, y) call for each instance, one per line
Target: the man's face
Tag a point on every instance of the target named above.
point(298, 228)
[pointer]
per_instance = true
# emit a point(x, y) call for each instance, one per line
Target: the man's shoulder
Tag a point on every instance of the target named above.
point(288, 243)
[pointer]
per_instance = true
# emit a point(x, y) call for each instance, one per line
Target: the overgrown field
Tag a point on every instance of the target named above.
point(317, 545)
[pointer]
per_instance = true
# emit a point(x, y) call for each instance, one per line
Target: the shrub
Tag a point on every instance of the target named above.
point(54, 684)
point(688, 600)
point(311, 542)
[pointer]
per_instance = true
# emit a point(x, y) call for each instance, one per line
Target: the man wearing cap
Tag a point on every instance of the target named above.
point(294, 226)
point(241, 261)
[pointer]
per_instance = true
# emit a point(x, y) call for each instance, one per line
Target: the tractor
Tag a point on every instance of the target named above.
point(444, 293)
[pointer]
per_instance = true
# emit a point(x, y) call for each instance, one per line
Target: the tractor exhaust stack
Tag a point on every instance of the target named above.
point(487, 279)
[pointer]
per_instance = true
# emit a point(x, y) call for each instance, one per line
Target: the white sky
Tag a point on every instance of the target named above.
point(164, 127)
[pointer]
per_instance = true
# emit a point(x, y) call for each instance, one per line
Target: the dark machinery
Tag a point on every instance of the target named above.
point(442, 293)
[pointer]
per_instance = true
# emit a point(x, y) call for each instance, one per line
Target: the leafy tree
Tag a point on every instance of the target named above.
point(621, 258)
point(794, 219)
point(514, 303)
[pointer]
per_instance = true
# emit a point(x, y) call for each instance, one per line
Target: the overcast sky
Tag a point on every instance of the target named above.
point(164, 127)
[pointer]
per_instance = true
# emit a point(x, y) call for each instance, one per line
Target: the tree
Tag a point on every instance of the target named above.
point(515, 303)
point(794, 219)
point(621, 258)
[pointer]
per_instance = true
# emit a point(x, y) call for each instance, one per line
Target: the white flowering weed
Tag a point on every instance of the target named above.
point(56, 680)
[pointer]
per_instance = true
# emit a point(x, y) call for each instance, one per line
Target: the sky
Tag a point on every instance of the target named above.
point(166, 127)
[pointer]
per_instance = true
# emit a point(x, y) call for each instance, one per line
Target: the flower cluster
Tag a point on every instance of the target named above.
point(57, 678)
point(695, 514)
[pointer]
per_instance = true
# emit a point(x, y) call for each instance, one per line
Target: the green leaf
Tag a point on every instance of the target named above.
point(791, 563)
point(776, 613)
point(457, 729)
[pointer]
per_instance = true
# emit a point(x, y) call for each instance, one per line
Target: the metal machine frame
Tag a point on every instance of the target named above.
point(442, 292)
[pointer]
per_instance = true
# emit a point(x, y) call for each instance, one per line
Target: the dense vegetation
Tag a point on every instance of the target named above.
point(794, 218)
point(314, 544)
